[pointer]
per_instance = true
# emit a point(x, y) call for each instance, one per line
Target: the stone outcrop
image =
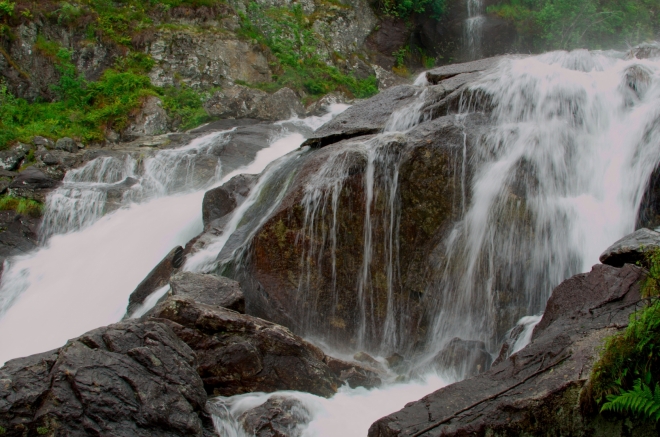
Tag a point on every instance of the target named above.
point(33, 184)
point(631, 248)
point(243, 102)
point(355, 374)
point(209, 290)
point(279, 416)
point(238, 353)
point(150, 120)
point(439, 74)
point(18, 235)
point(542, 389)
point(128, 379)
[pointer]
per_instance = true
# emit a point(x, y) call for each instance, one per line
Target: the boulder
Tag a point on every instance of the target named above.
point(363, 118)
point(66, 144)
point(130, 379)
point(236, 102)
point(11, 159)
point(355, 374)
point(220, 201)
point(279, 416)
point(157, 278)
point(645, 51)
point(32, 183)
point(466, 358)
point(631, 248)
point(543, 389)
point(238, 353)
point(150, 120)
point(115, 193)
point(209, 290)
point(240, 101)
point(439, 74)
point(41, 141)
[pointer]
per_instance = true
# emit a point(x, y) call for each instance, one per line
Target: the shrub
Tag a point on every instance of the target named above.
point(21, 205)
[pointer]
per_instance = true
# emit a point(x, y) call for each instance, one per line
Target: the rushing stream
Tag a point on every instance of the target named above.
point(558, 174)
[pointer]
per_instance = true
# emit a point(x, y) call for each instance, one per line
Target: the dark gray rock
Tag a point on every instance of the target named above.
point(631, 248)
point(32, 183)
point(465, 357)
point(157, 278)
point(238, 353)
point(242, 102)
point(279, 416)
point(66, 144)
point(244, 143)
point(209, 289)
point(18, 235)
point(543, 389)
point(364, 118)
point(220, 201)
point(128, 379)
point(439, 74)
point(355, 374)
point(11, 159)
point(41, 141)
point(115, 193)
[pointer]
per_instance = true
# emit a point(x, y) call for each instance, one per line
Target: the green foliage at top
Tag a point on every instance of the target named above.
point(7, 8)
point(640, 401)
point(630, 362)
point(405, 8)
point(289, 35)
point(594, 24)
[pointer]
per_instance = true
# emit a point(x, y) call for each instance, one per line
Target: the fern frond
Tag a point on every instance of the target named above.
point(640, 401)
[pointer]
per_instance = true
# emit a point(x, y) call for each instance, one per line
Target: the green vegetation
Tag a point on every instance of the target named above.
point(21, 205)
point(288, 33)
point(629, 367)
point(42, 430)
point(569, 24)
point(405, 8)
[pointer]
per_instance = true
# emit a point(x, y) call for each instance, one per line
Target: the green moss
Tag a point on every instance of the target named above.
point(21, 205)
point(42, 430)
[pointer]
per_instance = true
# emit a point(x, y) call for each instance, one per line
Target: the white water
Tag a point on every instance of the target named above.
point(349, 413)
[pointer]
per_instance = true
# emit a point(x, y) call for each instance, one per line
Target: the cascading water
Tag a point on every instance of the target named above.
point(559, 176)
point(473, 29)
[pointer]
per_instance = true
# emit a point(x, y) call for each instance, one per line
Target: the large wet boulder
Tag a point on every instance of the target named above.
point(301, 275)
point(355, 374)
point(238, 353)
point(129, 379)
point(19, 234)
point(240, 101)
point(279, 416)
point(631, 248)
point(209, 290)
point(439, 74)
point(542, 389)
point(11, 159)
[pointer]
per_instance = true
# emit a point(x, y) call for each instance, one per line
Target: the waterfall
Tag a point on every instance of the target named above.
point(559, 176)
point(473, 29)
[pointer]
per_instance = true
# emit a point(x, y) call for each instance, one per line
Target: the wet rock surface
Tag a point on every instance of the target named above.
point(220, 201)
point(209, 290)
point(243, 102)
point(363, 118)
point(631, 248)
point(18, 235)
point(355, 374)
point(238, 353)
point(157, 278)
point(542, 389)
point(439, 74)
point(279, 416)
point(128, 379)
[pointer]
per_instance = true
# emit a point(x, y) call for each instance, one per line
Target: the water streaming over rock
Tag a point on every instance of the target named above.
point(473, 28)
